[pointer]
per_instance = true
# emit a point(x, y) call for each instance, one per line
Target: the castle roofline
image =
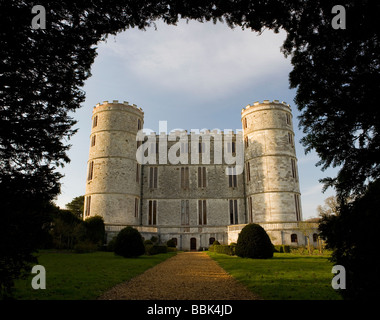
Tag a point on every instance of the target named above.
point(116, 102)
point(266, 102)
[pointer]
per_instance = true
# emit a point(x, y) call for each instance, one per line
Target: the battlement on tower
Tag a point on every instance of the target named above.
point(117, 103)
point(266, 102)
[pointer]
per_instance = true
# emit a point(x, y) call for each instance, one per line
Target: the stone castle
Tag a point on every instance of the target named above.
point(199, 187)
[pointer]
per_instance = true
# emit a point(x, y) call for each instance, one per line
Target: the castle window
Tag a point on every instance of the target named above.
point(136, 207)
point(184, 147)
point(153, 177)
point(90, 171)
point(233, 212)
point(231, 147)
point(95, 121)
point(290, 138)
point(185, 212)
point(250, 209)
point(202, 147)
point(211, 240)
point(138, 124)
point(293, 238)
point(185, 177)
point(232, 178)
point(315, 237)
point(294, 171)
point(245, 123)
point(88, 206)
point(288, 118)
point(93, 140)
point(202, 212)
point(138, 169)
point(248, 171)
point(297, 206)
point(152, 214)
point(201, 177)
point(246, 142)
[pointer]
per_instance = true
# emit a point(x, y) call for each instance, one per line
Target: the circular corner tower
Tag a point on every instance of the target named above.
point(272, 186)
point(113, 182)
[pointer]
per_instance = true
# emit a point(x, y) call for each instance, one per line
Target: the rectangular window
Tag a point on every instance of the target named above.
point(138, 173)
point(248, 171)
point(185, 220)
point(246, 142)
point(153, 177)
point(233, 212)
point(95, 121)
point(201, 177)
point(185, 177)
point(202, 212)
point(202, 147)
point(288, 118)
point(294, 170)
point(138, 124)
point(297, 206)
point(152, 214)
point(184, 147)
point(245, 123)
point(250, 209)
point(93, 140)
point(90, 171)
point(232, 178)
point(136, 207)
point(290, 138)
point(88, 206)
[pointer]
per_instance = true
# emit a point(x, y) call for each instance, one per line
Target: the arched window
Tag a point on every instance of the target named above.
point(138, 124)
point(211, 240)
point(293, 237)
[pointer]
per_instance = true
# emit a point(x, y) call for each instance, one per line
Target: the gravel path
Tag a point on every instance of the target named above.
point(186, 276)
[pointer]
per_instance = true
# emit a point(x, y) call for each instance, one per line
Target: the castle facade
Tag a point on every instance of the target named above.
point(195, 187)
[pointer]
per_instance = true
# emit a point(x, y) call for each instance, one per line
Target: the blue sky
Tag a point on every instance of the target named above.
point(194, 76)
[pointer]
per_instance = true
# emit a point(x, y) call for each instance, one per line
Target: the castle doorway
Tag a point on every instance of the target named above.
point(193, 244)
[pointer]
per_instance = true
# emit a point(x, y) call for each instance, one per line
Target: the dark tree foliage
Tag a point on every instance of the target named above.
point(253, 242)
point(352, 234)
point(76, 206)
point(129, 243)
point(336, 73)
point(337, 76)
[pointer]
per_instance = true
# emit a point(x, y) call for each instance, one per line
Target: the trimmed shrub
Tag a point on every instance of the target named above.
point(171, 243)
point(95, 230)
point(254, 242)
point(155, 249)
point(129, 243)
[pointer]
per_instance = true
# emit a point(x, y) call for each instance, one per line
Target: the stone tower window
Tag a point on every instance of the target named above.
point(250, 210)
point(293, 238)
point(245, 123)
point(294, 170)
point(152, 214)
point(93, 140)
point(185, 212)
point(136, 207)
point(232, 179)
point(90, 171)
point(246, 143)
point(201, 177)
point(138, 172)
point(233, 212)
point(138, 124)
point(88, 206)
point(202, 212)
point(288, 119)
point(95, 122)
point(185, 177)
point(297, 206)
point(248, 171)
point(153, 177)
point(290, 138)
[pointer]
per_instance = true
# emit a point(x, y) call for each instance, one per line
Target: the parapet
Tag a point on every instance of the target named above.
point(266, 102)
point(117, 103)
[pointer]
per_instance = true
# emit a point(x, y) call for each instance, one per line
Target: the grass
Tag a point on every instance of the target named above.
point(83, 276)
point(286, 276)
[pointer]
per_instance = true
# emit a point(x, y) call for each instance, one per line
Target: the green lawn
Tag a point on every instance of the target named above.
point(83, 276)
point(286, 276)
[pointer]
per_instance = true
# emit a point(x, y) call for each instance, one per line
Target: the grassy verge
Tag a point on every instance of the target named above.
point(83, 276)
point(286, 276)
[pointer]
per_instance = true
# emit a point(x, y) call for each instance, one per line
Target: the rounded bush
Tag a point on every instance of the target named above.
point(129, 243)
point(171, 243)
point(254, 242)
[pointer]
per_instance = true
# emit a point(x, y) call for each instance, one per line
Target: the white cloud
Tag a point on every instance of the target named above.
point(199, 58)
